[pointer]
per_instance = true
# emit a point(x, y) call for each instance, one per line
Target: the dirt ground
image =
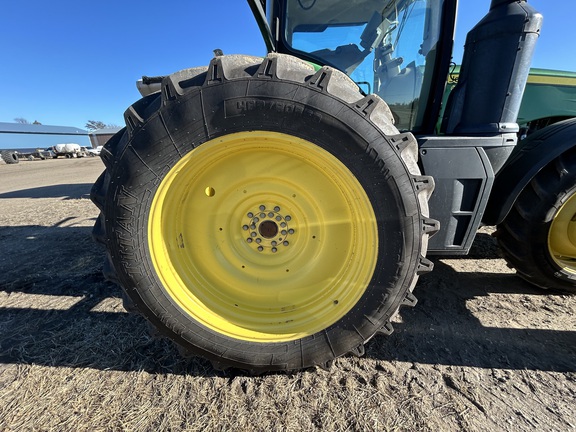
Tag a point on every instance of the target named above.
point(482, 350)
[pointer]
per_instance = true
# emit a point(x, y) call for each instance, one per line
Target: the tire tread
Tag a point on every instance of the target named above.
point(281, 68)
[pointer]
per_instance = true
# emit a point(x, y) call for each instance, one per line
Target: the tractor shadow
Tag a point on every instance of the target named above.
point(57, 310)
point(65, 191)
point(442, 328)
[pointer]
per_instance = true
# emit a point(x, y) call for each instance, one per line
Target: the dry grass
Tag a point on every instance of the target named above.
point(65, 398)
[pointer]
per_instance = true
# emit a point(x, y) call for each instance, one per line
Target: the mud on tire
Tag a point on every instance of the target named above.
point(264, 214)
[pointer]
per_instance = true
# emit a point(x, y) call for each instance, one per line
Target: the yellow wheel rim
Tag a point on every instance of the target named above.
point(562, 236)
point(262, 236)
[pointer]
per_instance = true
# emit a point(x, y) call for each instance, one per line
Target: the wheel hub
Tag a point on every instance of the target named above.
point(267, 257)
point(268, 229)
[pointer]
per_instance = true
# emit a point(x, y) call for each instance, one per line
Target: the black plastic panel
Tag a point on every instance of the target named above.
point(464, 178)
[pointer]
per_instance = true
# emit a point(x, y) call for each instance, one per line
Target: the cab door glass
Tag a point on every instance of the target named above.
point(386, 46)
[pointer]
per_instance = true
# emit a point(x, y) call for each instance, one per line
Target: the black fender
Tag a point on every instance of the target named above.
point(527, 159)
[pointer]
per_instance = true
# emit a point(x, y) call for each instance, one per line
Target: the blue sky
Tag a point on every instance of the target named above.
point(66, 62)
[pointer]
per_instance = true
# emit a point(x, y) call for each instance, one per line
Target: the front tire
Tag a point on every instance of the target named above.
point(264, 215)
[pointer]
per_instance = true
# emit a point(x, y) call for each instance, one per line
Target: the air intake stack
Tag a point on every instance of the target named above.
point(497, 57)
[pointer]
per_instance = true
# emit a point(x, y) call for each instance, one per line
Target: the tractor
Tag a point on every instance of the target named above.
point(273, 214)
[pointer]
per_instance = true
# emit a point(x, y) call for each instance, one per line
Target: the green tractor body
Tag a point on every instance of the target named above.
point(275, 213)
point(548, 98)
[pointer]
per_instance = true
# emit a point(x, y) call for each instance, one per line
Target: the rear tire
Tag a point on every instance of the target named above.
point(10, 157)
point(264, 215)
point(538, 236)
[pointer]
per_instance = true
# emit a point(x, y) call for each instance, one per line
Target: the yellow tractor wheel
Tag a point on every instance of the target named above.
point(264, 214)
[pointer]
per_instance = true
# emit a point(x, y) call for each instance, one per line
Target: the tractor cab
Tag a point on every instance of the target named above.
point(390, 48)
